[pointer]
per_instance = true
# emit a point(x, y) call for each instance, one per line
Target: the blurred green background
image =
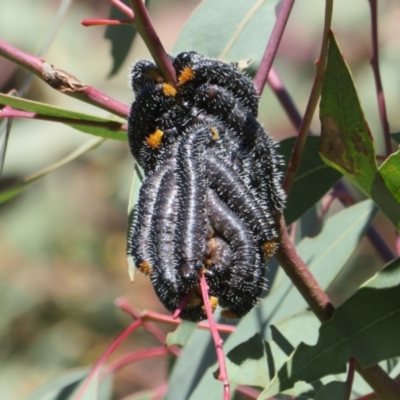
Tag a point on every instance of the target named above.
point(62, 242)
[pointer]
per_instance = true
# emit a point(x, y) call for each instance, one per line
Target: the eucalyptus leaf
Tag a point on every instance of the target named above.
point(114, 130)
point(229, 31)
point(372, 314)
point(65, 387)
point(346, 141)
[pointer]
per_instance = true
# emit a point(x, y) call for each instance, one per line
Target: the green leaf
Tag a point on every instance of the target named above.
point(390, 173)
point(195, 358)
point(230, 31)
point(346, 142)
point(248, 363)
point(114, 132)
point(13, 191)
point(121, 38)
point(371, 315)
point(65, 387)
point(181, 335)
point(333, 391)
point(312, 181)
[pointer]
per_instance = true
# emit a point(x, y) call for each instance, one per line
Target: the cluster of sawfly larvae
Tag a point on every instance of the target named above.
point(211, 189)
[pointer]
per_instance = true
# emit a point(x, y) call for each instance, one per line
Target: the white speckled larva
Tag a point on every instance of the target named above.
point(212, 185)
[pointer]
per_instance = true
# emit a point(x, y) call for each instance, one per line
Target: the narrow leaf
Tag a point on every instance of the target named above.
point(372, 315)
point(312, 181)
point(64, 387)
point(52, 111)
point(346, 142)
point(13, 191)
point(229, 31)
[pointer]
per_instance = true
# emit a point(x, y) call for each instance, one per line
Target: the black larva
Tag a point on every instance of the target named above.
point(212, 185)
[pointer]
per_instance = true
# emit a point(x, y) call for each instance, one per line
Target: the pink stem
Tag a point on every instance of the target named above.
point(377, 76)
point(272, 46)
point(147, 325)
point(136, 356)
point(62, 81)
point(284, 98)
point(96, 22)
point(9, 112)
point(182, 305)
point(223, 375)
point(131, 328)
point(248, 391)
point(350, 377)
point(146, 30)
point(122, 7)
point(160, 392)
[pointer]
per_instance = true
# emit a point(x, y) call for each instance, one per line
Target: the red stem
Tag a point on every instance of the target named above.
point(62, 81)
point(146, 30)
point(298, 149)
point(136, 356)
point(350, 377)
point(153, 316)
point(223, 375)
point(135, 314)
point(101, 22)
point(377, 76)
point(284, 98)
point(131, 328)
point(123, 8)
point(301, 276)
point(272, 46)
point(370, 396)
point(182, 305)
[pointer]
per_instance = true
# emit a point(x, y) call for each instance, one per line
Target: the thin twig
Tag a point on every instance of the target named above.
point(146, 30)
point(182, 305)
point(378, 83)
point(301, 276)
point(62, 81)
point(131, 328)
point(101, 22)
point(136, 356)
point(223, 375)
point(298, 149)
point(350, 378)
point(275, 83)
point(272, 46)
point(123, 8)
